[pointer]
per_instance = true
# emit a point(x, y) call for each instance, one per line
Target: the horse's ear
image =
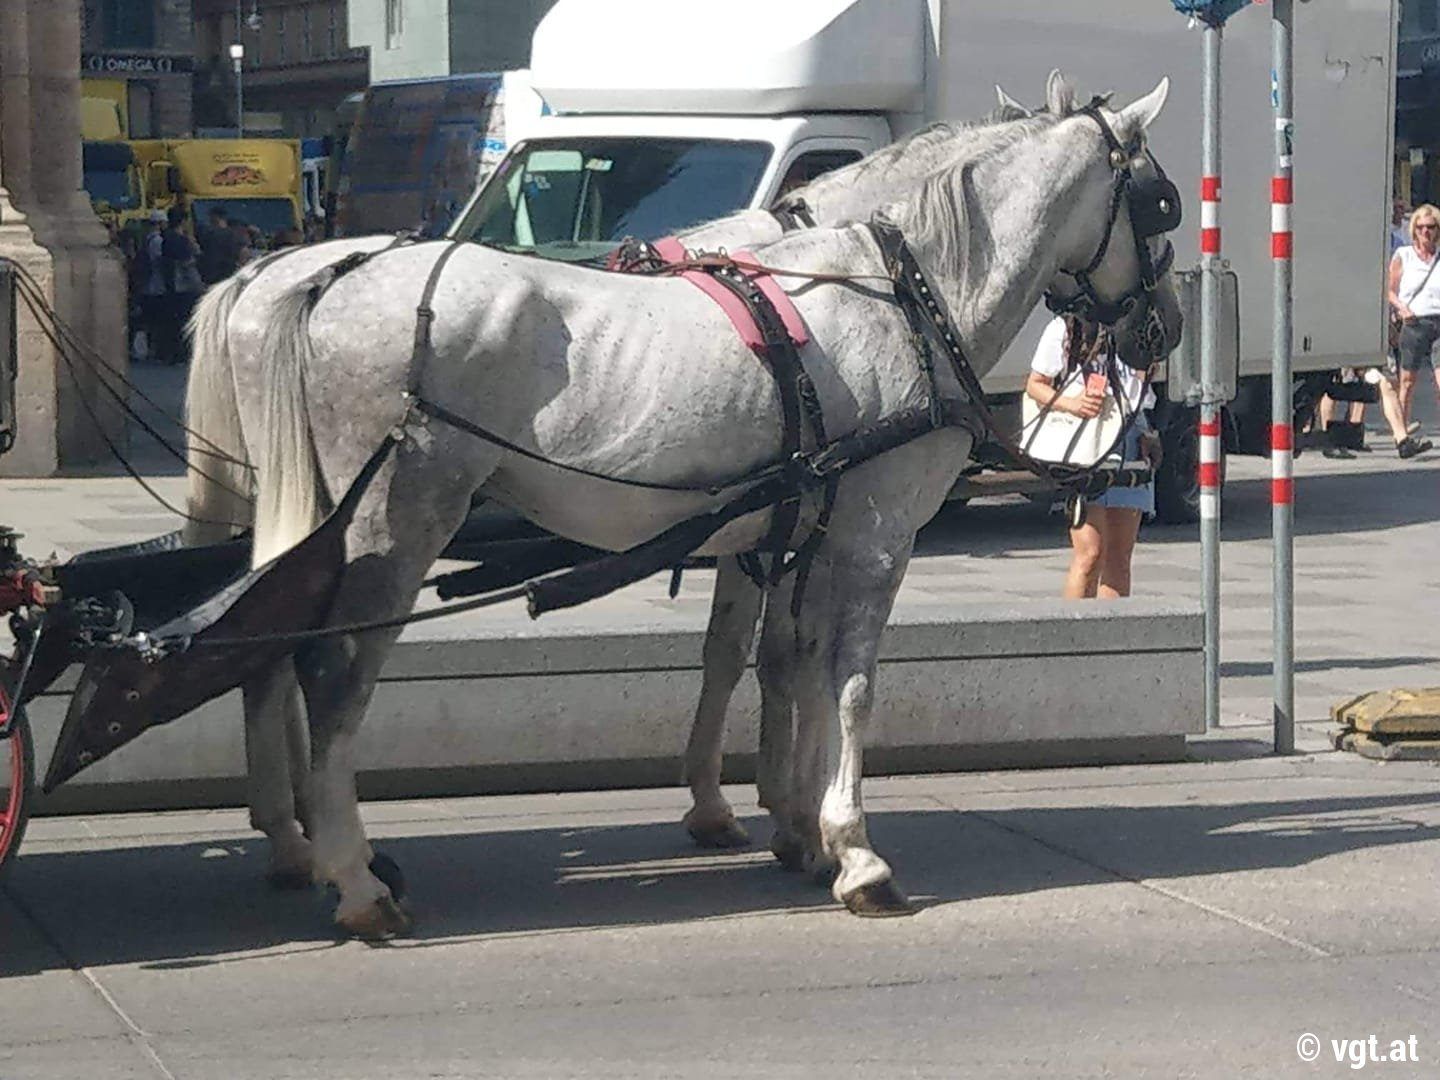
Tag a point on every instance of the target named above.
point(1139, 115)
point(1010, 109)
point(1059, 95)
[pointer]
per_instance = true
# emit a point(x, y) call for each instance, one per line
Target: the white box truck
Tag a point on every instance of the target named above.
point(696, 109)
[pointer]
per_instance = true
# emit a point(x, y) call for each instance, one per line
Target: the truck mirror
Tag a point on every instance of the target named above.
point(9, 355)
point(1182, 370)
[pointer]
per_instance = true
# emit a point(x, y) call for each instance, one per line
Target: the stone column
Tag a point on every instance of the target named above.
point(79, 271)
point(35, 452)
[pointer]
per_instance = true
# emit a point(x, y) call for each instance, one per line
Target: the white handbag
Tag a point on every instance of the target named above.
point(1061, 438)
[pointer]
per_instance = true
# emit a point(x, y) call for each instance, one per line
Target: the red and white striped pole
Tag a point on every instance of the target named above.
point(1210, 394)
point(1282, 410)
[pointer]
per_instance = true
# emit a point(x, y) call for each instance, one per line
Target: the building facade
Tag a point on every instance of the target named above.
point(140, 54)
point(299, 64)
point(419, 39)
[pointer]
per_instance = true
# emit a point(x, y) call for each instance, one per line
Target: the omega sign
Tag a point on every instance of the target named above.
point(123, 64)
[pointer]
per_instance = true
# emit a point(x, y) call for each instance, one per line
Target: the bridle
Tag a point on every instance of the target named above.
point(1154, 210)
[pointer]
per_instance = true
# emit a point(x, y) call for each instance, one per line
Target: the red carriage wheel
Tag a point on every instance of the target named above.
point(17, 780)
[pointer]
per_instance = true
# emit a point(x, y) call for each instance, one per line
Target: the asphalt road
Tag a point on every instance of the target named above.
point(1169, 921)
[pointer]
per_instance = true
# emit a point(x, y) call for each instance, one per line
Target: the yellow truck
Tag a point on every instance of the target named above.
point(256, 181)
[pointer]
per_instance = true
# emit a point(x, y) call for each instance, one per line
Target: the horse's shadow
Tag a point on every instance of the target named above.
point(195, 904)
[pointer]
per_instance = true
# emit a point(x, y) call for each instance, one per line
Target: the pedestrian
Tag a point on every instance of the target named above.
point(241, 232)
point(1102, 546)
point(219, 248)
point(1414, 294)
point(180, 274)
point(1399, 229)
point(154, 308)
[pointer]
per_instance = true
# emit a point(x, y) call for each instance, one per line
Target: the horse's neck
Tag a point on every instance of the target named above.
point(1011, 253)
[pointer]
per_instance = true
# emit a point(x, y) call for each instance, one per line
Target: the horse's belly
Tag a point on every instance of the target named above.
point(613, 516)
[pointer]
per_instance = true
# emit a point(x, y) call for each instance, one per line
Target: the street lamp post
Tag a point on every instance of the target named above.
point(237, 56)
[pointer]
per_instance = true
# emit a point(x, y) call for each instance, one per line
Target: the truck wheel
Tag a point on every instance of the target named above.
point(1177, 482)
point(17, 782)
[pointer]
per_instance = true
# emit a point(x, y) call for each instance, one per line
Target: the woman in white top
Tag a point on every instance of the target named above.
point(1103, 546)
point(1415, 296)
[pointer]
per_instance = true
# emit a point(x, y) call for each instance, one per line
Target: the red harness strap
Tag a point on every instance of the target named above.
point(671, 250)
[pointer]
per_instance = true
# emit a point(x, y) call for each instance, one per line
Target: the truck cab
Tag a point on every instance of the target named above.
point(584, 183)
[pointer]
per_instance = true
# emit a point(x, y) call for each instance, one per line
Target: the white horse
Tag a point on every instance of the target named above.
point(220, 504)
point(644, 380)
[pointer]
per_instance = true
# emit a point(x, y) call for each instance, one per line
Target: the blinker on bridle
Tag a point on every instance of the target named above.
point(1154, 205)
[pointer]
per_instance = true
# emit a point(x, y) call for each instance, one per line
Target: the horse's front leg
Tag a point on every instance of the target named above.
point(839, 699)
point(774, 767)
point(273, 715)
point(733, 614)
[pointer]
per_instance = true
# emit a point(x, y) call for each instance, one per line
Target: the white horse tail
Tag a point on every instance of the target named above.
point(220, 482)
point(289, 487)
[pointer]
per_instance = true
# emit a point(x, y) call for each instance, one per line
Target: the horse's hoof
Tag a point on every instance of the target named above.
point(882, 900)
point(790, 853)
point(388, 871)
point(382, 920)
point(289, 879)
point(725, 834)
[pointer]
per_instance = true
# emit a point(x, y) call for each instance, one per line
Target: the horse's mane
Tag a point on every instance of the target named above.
point(881, 160)
point(937, 209)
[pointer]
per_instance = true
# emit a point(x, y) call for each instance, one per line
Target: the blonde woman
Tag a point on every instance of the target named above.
point(1414, 294)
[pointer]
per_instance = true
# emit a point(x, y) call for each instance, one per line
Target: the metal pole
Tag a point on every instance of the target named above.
point(1209, 376)
point(1282, 413)
point(239, 76)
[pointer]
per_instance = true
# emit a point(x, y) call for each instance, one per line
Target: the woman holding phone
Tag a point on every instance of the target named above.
point(1072, 348)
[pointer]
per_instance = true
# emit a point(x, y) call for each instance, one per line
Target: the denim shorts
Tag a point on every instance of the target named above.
point(1131, 498)
point(1417, 339)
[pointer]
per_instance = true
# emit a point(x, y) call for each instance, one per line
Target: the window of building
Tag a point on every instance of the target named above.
point(332, 37)
point(394, 23)
point(1419, 16)
point(306, 45)
point(280, 43)
point(127, 24)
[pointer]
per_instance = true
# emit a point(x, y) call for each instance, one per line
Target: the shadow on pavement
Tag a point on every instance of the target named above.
point(197, 904)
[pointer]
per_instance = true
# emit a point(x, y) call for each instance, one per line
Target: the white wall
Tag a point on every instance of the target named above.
point(423, 48)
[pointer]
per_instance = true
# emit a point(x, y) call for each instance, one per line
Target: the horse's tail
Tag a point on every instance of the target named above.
point(289, 489)
point(219, 495)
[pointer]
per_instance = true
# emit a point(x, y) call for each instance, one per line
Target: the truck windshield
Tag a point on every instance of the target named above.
point(576, 199)
point(268, 215)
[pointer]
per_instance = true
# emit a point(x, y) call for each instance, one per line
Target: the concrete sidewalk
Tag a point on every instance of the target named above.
point(1170, 921)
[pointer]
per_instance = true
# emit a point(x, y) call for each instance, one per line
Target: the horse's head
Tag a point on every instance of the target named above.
point(1116, 266)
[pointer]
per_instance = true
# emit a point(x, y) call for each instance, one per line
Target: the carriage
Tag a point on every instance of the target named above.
point(624, 413)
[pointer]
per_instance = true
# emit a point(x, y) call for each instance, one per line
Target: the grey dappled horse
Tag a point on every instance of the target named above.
point(643, 379)
point(276, 743)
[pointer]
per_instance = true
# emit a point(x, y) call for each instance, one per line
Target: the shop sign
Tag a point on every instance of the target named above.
point(132, 64)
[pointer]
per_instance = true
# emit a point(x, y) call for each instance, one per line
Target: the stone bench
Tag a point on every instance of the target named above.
point(471, 706)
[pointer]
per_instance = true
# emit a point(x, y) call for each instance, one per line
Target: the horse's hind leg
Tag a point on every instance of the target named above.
point(273, 712)
point(733, 613)
point(338, 676)
point(388, 554)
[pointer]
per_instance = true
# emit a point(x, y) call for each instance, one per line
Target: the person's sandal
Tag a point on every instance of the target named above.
point(1410, 446)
